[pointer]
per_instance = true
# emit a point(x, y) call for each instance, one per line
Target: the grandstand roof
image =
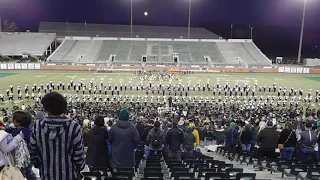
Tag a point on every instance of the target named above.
point(112, 30)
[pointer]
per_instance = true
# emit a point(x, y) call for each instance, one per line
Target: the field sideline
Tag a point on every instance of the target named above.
point(15, 78)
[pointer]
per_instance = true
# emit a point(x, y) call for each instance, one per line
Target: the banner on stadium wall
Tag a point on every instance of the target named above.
point(10, 66)
point(30, 66)
point(281, 69)
point(306, 70)
point(3, 66)
point(36, 66)
point(287, 69)
point(293, 70)
point(299, 70)
point(17, 66)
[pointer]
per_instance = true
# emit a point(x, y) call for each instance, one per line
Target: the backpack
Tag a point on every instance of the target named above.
point(156, 140)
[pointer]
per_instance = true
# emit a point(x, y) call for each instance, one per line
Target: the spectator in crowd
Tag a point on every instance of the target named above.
point(268, 140)
point(145, 133)
point(195, 133)
point(22, 121)
point(7, 146)
point(219, 134)
point(318, 137)
point(246, 138)
point(124, 138)
point(231, 139)
point(98, 151)
point(85, 134)
point(175, 138)
point(189, 141)
point(156, 139)
point(307, 141)
point(140, 129)
point(181, 125)
point(208, 132)
point(166, 146)
point(289, 140)
point(56, 144)
point(254, 130)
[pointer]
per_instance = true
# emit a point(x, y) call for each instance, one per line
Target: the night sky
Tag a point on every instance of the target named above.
point(276, 22)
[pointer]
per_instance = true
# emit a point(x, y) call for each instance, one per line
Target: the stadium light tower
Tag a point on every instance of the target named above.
point(302, 29)
point(131, 17)
point(189, 22)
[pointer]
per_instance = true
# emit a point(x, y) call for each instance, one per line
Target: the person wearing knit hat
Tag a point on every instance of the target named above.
point(124, 138)
point(124, 115)
point(231, 139)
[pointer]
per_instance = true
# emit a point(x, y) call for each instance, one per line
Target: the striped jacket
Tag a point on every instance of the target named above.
point(56, 148)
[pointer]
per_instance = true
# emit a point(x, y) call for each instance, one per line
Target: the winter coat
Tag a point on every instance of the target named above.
point(284, 135)
point(123, 137)
point(268, 138)
point(175, 138)
point(98, 151)
point(151, 133)
point(307, 143)
point(196, 134)
point(145, 134)
point(56, 148)
point(189, 140)
point(7, 145)
point(140, 129)
point(246, 137)
point(232, 136)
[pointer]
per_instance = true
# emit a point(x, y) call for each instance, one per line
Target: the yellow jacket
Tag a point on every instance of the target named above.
point(196, 134)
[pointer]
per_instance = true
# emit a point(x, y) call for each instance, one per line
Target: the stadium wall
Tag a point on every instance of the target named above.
point(175, 69)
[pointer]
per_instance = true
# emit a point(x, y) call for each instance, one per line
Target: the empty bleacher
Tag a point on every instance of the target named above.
point(160, 52)
point(17, 44)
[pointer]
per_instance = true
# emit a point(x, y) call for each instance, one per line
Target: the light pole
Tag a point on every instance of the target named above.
point(189, 22)
point(131, 17)
point(302, 29)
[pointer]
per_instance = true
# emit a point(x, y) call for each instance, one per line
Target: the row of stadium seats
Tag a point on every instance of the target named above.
point(199, 167)
point(159, 52)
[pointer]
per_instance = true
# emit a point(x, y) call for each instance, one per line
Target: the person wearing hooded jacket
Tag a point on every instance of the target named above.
point(56, 144)
point(189, 141)
point(98, 151)
point(124, 138)
point(7, 145)
point(231, 138)
point(152, 135)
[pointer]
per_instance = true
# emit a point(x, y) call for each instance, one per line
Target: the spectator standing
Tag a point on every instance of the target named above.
point(181, 125)
point(124, 138)
point(195, 133)
point(219, 134)
point(156, 139)
point(56, 144)
point(145, 133)
point(268, 139)
point(231, 138)
point(307, 141)
point(246, 138)
point(189, 141)
point(98, 151)
point(289, 140)
point(175, 138)
point(22, 121)
point(7, 145)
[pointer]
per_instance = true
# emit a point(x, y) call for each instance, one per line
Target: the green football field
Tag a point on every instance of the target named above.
point(38, 77)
